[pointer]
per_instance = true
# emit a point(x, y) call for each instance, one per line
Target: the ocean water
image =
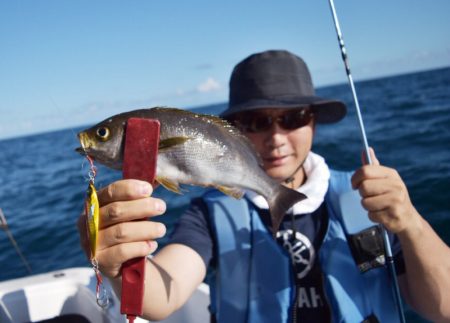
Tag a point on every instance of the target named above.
point(407, 120)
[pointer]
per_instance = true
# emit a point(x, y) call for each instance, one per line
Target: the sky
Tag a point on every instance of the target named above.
point(69, 63)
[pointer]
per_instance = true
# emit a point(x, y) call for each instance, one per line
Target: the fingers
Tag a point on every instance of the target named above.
point(124, 233)
point(128, 232)
point(379, 185)
point(124, 241)
point(384, 195)
point(373, 158)
point(130, 210)
point(380, 188)
point(128, 200)
point(388, 201)
point(124, 190)
point(389, 210)
point(111, 259)
point(368, 172)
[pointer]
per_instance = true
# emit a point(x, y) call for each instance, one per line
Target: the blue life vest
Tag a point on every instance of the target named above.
point(254, 280)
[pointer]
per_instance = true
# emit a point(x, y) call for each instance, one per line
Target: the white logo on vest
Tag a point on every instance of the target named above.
point(301, 250)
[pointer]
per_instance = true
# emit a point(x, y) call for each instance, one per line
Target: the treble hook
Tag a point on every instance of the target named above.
point(101, 293)
point(102, 296)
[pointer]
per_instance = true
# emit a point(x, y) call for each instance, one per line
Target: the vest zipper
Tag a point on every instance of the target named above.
point(295, 305)
point(294, 271)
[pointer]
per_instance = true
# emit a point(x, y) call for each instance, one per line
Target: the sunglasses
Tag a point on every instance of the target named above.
point(290, 120)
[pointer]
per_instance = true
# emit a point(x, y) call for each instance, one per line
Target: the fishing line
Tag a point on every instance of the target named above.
point(4, 226)
point(59, 112)
point(92, 221)
point(390, 259)
point(101, 292)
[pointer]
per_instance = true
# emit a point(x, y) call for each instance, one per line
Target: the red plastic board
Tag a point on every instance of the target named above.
point(139, 162)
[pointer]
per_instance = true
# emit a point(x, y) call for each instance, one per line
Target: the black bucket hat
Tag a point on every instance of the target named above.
point(278, 79)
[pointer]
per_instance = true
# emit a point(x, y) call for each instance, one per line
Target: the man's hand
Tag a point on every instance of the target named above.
point(124, 231)
point(385, 196)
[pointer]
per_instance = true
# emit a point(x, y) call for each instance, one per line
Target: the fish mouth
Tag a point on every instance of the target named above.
point(80, 150)
point(86, 144)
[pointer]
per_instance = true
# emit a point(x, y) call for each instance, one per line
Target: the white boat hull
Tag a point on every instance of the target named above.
point(72, 291)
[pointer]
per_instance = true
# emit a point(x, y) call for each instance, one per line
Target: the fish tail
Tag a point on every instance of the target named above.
point(280, 203)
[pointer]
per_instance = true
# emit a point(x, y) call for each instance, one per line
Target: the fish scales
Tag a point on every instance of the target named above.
point(194, 149)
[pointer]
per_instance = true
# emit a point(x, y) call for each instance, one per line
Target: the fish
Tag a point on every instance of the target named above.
point(194, 149)
point(92, 211)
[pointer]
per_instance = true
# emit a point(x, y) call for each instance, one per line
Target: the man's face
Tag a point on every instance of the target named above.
point(282, 150)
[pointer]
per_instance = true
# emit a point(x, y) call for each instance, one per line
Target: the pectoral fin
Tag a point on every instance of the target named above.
point(169, 185)
point(171, 142)
point(231, 191)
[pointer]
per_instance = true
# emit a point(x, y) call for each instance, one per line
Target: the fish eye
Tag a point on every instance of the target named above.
point(103, 133)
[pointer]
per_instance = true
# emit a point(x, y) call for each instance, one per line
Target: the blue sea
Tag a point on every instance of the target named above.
point(407, 120)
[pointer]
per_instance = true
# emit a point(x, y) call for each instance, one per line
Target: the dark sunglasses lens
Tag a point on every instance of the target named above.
point(295, 119)
point(259, 123)
point(290, 120)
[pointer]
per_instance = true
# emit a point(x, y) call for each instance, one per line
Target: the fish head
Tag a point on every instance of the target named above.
point(104, 142)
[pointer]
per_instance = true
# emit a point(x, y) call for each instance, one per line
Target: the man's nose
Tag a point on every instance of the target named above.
point(275, 136)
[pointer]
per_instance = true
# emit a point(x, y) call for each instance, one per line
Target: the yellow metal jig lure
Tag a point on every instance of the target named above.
point(92, 212)
point(92, 216)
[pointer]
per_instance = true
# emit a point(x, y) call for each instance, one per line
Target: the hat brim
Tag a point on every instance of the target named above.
point(325, 111)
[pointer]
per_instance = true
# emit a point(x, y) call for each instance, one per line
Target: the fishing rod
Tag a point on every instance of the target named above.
point(4, 226)
point(389, 257)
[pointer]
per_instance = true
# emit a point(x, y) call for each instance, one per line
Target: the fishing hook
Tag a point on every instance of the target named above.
point(101, 294)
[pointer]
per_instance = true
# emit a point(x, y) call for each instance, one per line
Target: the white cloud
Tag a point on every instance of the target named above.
point(181, 92)
point(208, 86)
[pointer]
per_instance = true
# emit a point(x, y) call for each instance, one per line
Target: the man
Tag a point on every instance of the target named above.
point(319, 269)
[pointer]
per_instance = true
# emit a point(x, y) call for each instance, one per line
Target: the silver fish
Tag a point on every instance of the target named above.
point(194, 149)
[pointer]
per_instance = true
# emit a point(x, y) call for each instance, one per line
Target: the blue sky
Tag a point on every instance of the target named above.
point(68, 63)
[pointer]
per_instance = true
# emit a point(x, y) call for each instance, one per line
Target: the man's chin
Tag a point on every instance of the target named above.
point(282, 174)
point(277, 174)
